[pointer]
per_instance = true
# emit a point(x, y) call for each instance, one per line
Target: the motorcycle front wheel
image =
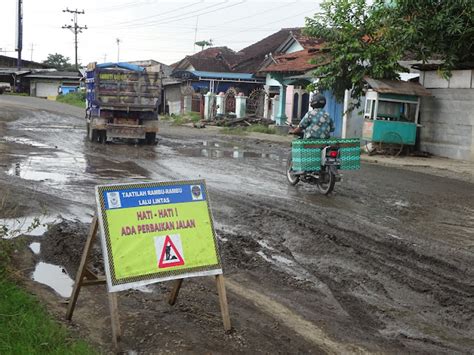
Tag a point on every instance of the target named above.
point(290, 176)
point(327, 186)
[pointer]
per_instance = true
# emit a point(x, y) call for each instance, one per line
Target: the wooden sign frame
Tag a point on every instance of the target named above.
point(85, 277)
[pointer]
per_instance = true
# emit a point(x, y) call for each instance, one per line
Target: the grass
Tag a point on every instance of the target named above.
point(177, 120)
point(25, 326)
point(74, 98)
point(16, 93)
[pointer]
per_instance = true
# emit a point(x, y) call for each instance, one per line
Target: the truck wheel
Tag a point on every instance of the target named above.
point(102, 135)
point(150, 138)
point(93, 134)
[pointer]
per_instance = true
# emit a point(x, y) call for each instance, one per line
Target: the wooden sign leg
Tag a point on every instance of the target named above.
point(82, 268)
point(175, 292)
point(223, 302)
point(114, 319)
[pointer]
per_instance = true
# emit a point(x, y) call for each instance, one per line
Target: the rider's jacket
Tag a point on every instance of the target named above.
point(317, 124)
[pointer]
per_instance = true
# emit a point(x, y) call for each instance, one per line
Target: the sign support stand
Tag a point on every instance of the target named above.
point(222, 299)
point(85, 277)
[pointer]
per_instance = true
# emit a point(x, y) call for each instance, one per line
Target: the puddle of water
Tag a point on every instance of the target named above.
point(24, 141)
point(283, 260)
point(144, 289)
point(218, 150)
point(55, 277)
point(35, 248)
point(48, 168)
point(30, 226)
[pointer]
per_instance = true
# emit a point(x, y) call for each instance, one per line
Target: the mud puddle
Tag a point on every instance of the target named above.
point(55, 277)
point(209, 149)
point(31, 226)
point(35, 248)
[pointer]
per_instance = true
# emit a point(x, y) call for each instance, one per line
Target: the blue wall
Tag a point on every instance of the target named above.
point(335, 110)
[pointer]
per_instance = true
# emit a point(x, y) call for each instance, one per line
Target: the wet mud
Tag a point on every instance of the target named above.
point(385, 264)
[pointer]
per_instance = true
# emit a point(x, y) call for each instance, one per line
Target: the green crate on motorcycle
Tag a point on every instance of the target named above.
point(306, 153)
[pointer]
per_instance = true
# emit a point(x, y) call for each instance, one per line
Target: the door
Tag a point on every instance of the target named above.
point(46, 89)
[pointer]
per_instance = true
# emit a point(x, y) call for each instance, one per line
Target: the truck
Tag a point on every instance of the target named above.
point(122, 102)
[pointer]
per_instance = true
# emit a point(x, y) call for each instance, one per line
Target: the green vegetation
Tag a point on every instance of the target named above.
point(370, 38)
point(188, 117)
point(16, 93)
point(74, 98)
point(25, 326)
point(59, 62)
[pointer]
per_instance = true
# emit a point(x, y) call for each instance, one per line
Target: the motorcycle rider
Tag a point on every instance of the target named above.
point(317, 123)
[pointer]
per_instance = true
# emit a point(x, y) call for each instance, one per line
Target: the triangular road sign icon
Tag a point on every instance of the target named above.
point(170, 255)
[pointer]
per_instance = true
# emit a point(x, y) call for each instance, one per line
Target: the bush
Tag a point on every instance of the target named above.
point(73, 98)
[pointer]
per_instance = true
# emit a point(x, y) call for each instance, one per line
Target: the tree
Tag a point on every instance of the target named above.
point(59, 62)
point(443, 29)
point(370, 39)
point(203, 44)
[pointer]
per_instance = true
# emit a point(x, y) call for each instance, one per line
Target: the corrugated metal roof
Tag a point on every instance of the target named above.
point(397, 87)
point(56, 75)
point(10, 71)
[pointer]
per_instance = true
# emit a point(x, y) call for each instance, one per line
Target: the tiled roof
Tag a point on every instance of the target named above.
point(297, 62)
point(216, 59)
point(251, 57)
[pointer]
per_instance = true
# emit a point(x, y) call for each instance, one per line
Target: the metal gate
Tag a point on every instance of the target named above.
point(256, 102)
point(229, 100)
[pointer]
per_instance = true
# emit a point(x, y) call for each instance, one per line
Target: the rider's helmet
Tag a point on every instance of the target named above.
point(318, 101)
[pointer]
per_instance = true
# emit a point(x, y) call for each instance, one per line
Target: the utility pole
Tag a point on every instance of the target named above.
point(31, 50)
point(195, 33)
point(118, 49)
point(19, 31)
point(75, 29)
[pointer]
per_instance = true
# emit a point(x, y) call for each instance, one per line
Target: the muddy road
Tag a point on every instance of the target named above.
point(385, 264)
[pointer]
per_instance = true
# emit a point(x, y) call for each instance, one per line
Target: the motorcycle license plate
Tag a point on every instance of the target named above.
point(332, 161)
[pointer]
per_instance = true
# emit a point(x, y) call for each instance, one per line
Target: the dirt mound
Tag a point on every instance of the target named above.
point(63, 245)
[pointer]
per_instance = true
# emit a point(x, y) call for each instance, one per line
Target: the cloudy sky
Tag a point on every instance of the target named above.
point(147, 29)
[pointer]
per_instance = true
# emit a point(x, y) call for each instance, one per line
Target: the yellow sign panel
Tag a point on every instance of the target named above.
point(154, 232)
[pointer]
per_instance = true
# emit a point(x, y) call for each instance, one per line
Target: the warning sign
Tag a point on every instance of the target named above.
point(169, 251)
point(155, 232)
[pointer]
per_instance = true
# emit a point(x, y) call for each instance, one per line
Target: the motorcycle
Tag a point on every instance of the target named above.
point(328, 174)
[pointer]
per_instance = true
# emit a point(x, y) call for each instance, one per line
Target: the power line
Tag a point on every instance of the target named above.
point(180, 17)
point(132, 22)
point(75, 29)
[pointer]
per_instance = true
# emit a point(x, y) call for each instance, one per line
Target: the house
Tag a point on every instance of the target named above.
point(12, 76)
point(203, 72)
point(49, 84)
point(447, 116)
point(210, 70)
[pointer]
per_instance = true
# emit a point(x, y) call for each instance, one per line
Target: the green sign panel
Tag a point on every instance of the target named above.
point(154, 232)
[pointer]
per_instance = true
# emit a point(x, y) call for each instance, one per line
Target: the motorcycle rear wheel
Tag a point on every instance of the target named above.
point(327, 187)
point(292, 178)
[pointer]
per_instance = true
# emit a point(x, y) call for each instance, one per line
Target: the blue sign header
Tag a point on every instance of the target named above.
point(151, 196)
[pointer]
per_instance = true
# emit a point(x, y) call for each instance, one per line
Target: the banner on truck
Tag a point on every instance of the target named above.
point(157, 231)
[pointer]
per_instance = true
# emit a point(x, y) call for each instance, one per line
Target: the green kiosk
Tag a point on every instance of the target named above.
point(391, 115)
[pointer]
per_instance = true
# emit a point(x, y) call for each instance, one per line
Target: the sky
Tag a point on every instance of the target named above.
point(148, 29)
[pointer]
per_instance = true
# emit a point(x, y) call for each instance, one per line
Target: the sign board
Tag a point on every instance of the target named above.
point(156, 231)
point(368, 130)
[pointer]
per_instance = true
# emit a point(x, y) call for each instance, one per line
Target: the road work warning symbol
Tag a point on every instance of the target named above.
point(169, 251)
